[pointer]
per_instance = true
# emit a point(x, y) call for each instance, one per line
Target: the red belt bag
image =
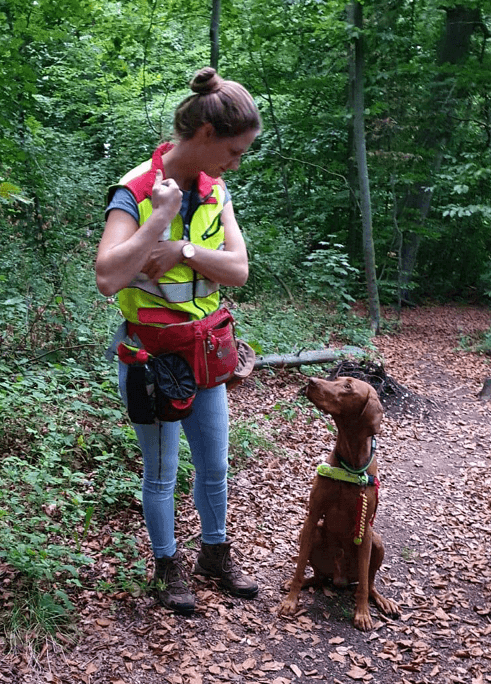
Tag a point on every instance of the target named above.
point(208, 345)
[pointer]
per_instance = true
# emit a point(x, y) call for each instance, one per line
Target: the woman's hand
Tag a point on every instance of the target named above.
point(162, 258)
point(166, 195)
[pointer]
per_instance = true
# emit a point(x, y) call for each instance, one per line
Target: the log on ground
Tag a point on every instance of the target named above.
point(307, 357)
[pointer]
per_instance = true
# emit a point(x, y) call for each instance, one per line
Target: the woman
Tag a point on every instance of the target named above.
point(171, 238)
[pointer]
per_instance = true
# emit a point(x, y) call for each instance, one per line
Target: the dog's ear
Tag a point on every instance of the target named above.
point(372, 413)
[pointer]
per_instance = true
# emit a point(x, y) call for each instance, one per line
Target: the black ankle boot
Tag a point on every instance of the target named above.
point(172, 585)
point(214, 561)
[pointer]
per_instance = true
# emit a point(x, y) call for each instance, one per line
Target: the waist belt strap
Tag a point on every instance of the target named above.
point(162, 315)
point(120, 335)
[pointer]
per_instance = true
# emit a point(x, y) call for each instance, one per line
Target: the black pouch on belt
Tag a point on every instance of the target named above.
point(175, 387)
point(141, 406)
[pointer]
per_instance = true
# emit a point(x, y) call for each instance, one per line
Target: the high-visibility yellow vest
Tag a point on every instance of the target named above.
point(181, 288)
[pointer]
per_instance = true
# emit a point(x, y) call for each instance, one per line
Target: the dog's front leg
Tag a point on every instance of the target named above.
point(289, 605)
point(362, 619)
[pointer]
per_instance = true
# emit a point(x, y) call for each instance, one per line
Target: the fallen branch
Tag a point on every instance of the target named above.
point(307, 357)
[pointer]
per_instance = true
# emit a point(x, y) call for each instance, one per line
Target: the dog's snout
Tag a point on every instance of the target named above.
point(313, 388)
point(310, 386)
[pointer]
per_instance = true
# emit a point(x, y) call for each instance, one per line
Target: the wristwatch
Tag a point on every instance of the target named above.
point(188, 251)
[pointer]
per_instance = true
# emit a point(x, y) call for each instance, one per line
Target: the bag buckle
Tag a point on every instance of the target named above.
point(210, 343)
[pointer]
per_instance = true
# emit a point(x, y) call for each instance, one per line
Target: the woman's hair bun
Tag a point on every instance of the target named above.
point(206, 81)
point(226, 105)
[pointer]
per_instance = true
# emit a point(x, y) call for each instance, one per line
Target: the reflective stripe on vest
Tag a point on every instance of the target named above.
point(175, 292)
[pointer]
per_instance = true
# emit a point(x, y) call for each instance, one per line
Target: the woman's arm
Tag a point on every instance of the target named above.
point(227, 267)
point(125, 248)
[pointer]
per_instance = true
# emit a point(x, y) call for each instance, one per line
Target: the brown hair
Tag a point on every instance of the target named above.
point(227, 105)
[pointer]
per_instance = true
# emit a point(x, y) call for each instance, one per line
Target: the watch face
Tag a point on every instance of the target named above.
point(188, 251)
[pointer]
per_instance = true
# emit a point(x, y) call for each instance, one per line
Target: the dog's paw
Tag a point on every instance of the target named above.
point(390, 608)
point(387, 606)
point(363, 620)
point(288, 606)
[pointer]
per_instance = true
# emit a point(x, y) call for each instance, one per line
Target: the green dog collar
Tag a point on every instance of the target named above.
point(326, 470)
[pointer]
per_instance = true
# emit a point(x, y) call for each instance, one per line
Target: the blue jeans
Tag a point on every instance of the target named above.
point(206, 430)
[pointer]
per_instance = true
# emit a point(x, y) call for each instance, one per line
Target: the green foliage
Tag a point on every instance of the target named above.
point(185, 468)
point(249, 440)
point(485, 280)
point(130, 574)
point(31, 616)
point(273, 258)
point(329, 271)
point(480, 342)
point(485, 345)
point(59, 422)
point(10, 193)
point(280, 327)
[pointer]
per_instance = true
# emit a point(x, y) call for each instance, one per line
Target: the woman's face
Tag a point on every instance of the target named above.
point(221, 154)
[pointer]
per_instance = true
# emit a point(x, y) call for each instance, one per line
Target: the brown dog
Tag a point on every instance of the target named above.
point(342, 511)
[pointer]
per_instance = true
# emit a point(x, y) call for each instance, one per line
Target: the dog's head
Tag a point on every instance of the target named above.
point(347, 399)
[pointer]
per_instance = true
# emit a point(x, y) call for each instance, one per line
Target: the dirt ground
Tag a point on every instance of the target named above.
point(434, 515)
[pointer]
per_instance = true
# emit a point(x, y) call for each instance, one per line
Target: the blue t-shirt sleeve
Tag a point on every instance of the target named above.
point(123, 199)
point(228, 196)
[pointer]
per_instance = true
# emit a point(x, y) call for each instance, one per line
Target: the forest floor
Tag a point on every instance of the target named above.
point(434, 455)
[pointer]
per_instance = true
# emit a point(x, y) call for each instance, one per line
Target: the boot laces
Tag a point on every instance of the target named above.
point(228, 565)
point(175, 575)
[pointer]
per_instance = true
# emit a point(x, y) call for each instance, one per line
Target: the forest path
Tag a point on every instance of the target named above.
point(434, 515)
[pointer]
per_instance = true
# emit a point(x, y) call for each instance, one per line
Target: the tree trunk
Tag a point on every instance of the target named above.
point(355, 16)
point(215, 33)
point(353, 242)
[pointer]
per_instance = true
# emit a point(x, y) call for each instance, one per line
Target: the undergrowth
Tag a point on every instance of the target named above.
point(277, 327)
point(248, 440)
point(480, 343)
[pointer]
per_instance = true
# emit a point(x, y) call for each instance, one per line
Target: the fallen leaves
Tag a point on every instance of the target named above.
point(358, 673)
point(296, 670)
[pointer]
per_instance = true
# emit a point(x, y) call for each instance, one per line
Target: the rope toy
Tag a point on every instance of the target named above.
point(361, 512)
